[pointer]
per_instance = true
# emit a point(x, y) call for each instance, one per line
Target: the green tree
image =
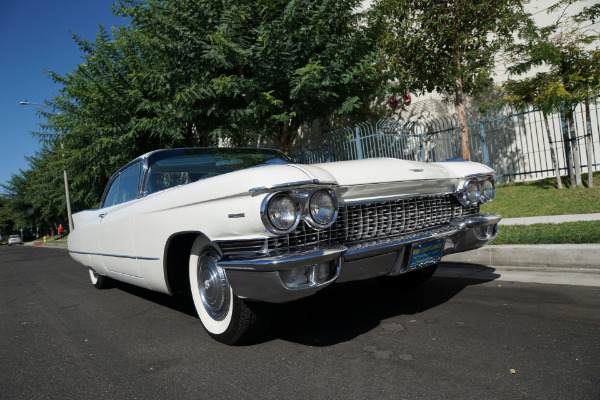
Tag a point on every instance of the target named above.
point(200, 73)
point(254, 70)
point(539, 92)
point(446, 46)
point(572, 76)
point(6, 217)
point(36, 197)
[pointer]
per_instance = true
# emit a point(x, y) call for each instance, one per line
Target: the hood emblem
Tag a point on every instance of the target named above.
point(416, 169)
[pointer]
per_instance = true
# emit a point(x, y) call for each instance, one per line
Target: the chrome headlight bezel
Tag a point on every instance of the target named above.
point(491, 191)
point(302, 199)
point(471, 192)
point(267, 215)
point(312, 219)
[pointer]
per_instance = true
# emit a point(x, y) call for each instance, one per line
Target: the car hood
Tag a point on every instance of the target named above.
point(384, 177)
point(378, 174)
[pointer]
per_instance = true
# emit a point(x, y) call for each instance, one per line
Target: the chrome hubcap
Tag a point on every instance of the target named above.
point(213, 286)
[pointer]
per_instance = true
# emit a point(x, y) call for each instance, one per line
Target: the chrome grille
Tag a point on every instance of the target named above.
point(361, 222)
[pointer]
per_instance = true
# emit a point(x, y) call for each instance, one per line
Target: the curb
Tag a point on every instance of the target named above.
point(566, 256)
point(54, 245)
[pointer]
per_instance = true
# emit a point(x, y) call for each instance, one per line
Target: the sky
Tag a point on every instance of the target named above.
point(35, 35)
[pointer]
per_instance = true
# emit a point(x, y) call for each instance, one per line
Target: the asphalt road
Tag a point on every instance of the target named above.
point(454, 338)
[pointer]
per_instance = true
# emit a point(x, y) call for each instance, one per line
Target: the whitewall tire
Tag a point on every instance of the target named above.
point(225, 317)
point(99, 281)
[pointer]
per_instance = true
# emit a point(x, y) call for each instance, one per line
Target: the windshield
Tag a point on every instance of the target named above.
point(170, 168)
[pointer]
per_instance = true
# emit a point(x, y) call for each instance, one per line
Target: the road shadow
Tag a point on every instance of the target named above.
point(182, 303)
point(342, 312)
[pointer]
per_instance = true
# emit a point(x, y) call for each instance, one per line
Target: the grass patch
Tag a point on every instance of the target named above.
point(52, 239)
point(568, 232)
point(538, 198)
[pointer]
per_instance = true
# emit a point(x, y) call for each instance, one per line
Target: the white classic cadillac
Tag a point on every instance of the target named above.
point(243, 228)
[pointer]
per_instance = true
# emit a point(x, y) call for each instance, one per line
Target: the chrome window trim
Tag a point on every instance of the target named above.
point(139, 160)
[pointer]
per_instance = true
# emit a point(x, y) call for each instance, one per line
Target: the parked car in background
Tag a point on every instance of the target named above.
point(14, 239)
point(244, 228)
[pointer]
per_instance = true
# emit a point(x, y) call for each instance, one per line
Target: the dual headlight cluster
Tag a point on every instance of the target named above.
point(477, 190)
point(281, 212)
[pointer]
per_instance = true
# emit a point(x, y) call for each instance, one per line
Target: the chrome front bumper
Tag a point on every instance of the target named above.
point(261, 278)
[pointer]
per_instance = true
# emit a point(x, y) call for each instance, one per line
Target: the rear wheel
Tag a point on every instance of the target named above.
point(99, 281)
point(226, 317)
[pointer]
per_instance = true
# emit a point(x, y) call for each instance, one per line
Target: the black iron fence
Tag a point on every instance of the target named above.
point(518, 145)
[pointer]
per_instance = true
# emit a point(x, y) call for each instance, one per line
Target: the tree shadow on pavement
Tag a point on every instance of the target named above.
point(342, 312)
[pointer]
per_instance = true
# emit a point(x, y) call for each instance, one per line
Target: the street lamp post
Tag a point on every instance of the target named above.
point(28, 103)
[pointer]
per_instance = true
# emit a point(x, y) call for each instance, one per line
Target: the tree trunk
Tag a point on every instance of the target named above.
point(568, 151)
point(588, 142)
point(284, 139)
point(574, 147)
point(460, 109)
point(553, 152)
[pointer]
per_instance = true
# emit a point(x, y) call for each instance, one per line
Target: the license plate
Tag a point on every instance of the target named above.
point(425, 254)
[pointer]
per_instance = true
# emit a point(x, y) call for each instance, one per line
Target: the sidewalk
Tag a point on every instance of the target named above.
point(554, 219)
point(564, 256)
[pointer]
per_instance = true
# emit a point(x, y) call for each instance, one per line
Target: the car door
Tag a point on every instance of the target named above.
point(117, 242)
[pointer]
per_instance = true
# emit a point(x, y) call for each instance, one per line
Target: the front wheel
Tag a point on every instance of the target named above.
point(226, 317)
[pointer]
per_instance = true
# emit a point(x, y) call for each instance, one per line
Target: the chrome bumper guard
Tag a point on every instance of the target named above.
point(293, 276)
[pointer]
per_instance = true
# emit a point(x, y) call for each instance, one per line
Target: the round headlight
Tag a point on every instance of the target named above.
point(487, 190)
point(472, 192)
point(282, 212)
point(322, 207)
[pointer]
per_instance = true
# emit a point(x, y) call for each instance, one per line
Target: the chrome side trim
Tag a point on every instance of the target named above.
point(286, 261)
point(394, 198)
point(480, 175)
point(115, 255)
point(475, 221)
point(284, 185)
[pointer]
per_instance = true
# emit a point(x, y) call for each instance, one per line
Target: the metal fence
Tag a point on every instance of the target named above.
point(516, 144)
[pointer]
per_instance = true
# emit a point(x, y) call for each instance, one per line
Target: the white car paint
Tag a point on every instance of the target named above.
point(138, 231)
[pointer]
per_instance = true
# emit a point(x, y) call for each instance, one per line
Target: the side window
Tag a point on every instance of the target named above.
point(155, 182)
point(124, 187)
point(128, 188)
point(112, 197)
